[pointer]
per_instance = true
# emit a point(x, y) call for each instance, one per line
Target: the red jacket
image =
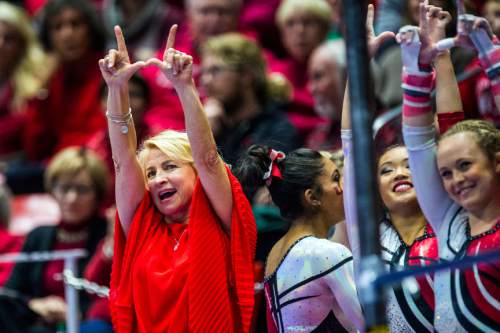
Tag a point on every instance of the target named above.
point(69, 115)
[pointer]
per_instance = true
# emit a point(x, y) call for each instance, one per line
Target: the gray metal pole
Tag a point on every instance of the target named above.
point(71, 296)
point(362, 106)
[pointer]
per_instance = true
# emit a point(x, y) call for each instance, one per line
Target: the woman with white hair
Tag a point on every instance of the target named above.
point(185, 235)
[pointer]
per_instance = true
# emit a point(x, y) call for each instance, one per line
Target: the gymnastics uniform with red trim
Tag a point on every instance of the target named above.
point(410, 306)
point(466, 300)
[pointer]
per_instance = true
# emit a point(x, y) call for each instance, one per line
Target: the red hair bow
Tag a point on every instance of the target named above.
point(274, 170)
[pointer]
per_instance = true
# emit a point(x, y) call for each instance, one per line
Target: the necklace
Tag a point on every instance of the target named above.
point(178, 241)
point(72, 237)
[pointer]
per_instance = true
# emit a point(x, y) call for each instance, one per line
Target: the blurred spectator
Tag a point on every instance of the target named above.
point(259, 16)
point(145, 24)
point(205, 18)
point(21, 65)
point(78, 181)
point(70, 112)
point(327, 79)
point(8, 242)
point(304, 25)
point(243, 104)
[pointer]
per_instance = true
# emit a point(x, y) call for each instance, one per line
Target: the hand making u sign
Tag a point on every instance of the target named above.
point(176, 65)
point(116, 68)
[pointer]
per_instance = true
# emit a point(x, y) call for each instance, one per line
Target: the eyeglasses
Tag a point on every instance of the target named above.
point(79, 189)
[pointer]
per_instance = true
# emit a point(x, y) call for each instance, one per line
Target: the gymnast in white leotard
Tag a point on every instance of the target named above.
point(309, 284)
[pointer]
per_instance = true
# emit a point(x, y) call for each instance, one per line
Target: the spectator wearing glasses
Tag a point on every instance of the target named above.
point(204, 19)
point(78, 181)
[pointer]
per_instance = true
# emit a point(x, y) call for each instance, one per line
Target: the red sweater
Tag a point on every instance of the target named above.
point(70, 114)
point(205, 284)
point(8, 244)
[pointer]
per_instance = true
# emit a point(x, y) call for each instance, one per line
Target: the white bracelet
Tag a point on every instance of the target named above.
point(122, 120)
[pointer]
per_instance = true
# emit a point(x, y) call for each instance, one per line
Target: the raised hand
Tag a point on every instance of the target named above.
point(433, 21)
point(374, 41)
point(472, 31)
point(176, 65)
point(116, 68)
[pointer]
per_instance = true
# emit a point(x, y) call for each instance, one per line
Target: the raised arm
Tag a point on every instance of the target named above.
point(418, 53)
point(178, 67)
point(351, 215)
point(116, 70)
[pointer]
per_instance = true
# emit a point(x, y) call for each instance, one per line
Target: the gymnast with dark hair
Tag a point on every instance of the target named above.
point(406, 238)
point(309, 283)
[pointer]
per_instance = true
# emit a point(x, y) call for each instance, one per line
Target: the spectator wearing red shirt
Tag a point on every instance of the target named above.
point(21, 64)
point(304, 25)
point(205, 18)
point(69, 114)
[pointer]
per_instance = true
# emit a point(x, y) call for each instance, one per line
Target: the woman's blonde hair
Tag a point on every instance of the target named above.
point(73, 160)
point(243, 54)
point(320, 9)
point(486, 135)
point(26, 76)
point(172, 143)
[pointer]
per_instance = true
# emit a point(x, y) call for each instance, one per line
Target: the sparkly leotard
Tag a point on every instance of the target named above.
point(410, 306)
point(313, 290)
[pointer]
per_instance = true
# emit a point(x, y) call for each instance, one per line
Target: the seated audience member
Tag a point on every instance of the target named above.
point(309, 282)
point(69, 114)
point(304, 25)
point(204, 19)
point(21, 63)
point(78, 181)
point(8, 243)
point(259, 16)
point(327, 79)
point(145, 24)
point(243, 101)
point(457, 176)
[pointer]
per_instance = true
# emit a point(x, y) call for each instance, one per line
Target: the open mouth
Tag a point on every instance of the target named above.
point(164, 195)
point(402, 186)
point(461, 192)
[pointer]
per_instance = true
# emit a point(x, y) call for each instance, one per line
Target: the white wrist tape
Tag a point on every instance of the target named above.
point(410, 47)
point(445, 44)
